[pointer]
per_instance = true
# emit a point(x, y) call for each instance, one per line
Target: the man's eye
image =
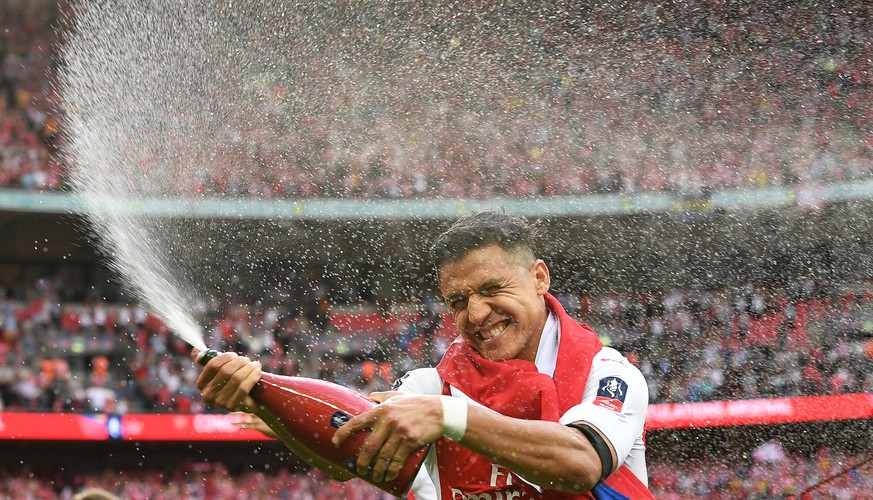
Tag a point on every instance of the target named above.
point(457, 305)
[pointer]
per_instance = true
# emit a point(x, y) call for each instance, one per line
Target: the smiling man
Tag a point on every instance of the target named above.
point(525, 404)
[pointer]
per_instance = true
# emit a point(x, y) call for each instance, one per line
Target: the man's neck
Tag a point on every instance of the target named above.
point(547, 351)
point(530, 351)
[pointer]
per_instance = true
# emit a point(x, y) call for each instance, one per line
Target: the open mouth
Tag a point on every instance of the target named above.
point(494, 331)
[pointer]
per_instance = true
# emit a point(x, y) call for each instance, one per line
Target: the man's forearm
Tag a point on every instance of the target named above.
point(547, 454)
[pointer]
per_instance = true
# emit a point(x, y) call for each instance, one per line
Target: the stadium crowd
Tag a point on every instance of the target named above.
point(764, 475)
point(712, 95)
point(750, 342)
point(771, 474)
point(206, 481)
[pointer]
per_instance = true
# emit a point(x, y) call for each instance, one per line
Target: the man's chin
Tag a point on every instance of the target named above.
point(493, 356)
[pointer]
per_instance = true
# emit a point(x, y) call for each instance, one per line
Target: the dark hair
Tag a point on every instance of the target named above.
point(478, 229)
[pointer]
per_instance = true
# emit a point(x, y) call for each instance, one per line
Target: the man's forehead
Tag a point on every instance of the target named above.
point(485, 253)
point(475, 260)
point(477, 270)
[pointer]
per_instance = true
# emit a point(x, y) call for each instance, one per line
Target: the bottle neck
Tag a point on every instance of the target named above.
point(206, 355)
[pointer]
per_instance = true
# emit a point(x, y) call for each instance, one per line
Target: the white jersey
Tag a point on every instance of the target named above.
point(615, 399)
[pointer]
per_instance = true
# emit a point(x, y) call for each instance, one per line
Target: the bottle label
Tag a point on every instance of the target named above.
point(339, 418)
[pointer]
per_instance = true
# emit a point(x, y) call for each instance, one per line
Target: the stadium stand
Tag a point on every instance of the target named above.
point(773, 95)
point(769, 472)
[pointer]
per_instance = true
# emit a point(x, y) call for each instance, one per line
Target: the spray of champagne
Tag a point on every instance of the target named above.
point(162, 100)
point(154, 97)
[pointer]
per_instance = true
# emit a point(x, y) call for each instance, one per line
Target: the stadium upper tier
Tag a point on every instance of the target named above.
point(649, 100)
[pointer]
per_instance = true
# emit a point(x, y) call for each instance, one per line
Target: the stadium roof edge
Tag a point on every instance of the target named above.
point(14, 200)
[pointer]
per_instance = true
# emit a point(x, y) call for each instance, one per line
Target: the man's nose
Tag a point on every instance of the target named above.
point(478, 310)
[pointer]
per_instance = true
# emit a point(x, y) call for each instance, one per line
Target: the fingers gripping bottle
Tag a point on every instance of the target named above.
point(305, 413)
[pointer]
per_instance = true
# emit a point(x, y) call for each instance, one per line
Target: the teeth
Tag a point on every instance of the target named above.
point(492, 332)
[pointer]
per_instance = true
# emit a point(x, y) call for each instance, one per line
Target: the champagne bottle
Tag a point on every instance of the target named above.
point(305, 413)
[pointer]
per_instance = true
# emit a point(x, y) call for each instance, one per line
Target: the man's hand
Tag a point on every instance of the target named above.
point(254, 422)
point(401, 424)
point(227, 380)
point(382, 396)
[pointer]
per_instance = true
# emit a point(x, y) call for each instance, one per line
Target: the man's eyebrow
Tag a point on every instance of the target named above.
point(485, 285)
point(492, 282)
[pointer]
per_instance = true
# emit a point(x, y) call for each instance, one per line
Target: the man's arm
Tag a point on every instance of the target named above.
point(548, 454)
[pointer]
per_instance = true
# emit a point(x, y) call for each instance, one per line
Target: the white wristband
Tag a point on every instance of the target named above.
point(454, 417)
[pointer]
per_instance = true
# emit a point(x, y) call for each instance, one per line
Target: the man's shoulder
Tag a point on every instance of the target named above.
point(420, 381)
point(608, 359)
point(609, 353)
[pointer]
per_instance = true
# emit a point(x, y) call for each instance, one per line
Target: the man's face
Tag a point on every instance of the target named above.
point(497, 302)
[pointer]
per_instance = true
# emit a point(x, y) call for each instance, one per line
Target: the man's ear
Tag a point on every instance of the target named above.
point(541, 276)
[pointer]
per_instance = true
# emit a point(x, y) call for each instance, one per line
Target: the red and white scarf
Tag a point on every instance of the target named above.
point(516, 388)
